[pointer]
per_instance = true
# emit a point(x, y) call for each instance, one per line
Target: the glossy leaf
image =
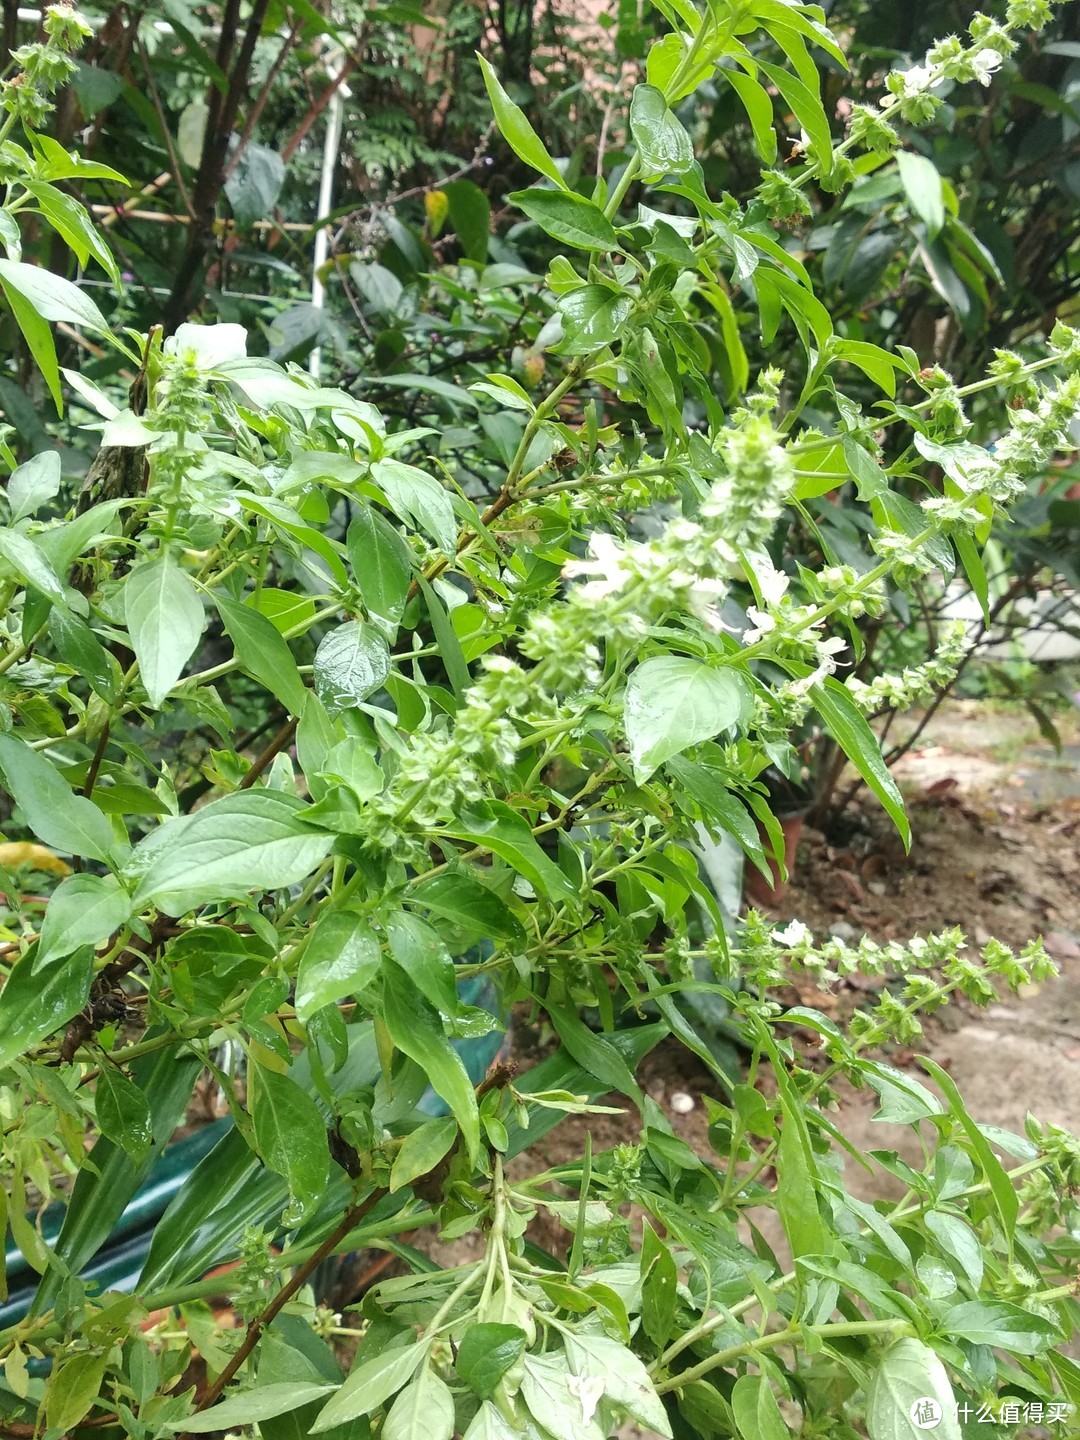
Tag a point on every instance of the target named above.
point(848, 727)
point(516, 129)
point(416, 1030)
point(569, 218)
point(486, 1353)
point(254, 840)
point(341, 957)
point(83, 910)
point(290, 1133)
point(672, 703)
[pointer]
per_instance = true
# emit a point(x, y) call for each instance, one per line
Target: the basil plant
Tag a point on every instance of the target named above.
point(326, 766)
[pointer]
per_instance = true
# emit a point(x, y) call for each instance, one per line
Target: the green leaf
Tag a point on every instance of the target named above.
point(352, 661)
point(847, 725)
point(414, 495)
point(53, 297)
point(489, 1423)
point(706, 788)
point(263, 653)
point(756, 1412)
point(662, 142)
point(759, 110)
point(71, 221)
point(807, 109)
point(594, 1053)
point(470, 215)
point(123, 1112)
point(516, 129)
point(922, 186)
point(381, 564)
point(255, 184)
point(342, 956)
point(82, 910)
point(554, 1400)
point(290, 1133)
point(31, 565)
point(34, 1006)
point(958, 1241)
point(423, 1411)
point(1006, 1200)
point(370, 1384)
point(421, 1151)
point(450, 651)
point(33, 484)
point(797, 1187)
point(659, 1287)
point(909, 1375)
point(592, 316)
point(73, 1387)
point(626, 1381)
point(673, 702)
point(248, 1407)
point(498, 828)
point(57, 817)
point(486, 1353)
point(1001, 1324)
point(469, 904)
point(165, 620)
point(568, 218)
point(417, 1031)
point(419, 950)
point(39, 340)
point(253, 840)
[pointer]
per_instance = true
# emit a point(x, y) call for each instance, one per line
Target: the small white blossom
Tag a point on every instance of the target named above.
point(608, 565)
point(792, 934)
point(917, 79)
point(984, 64)
point(588, 1389)
point(762, 624)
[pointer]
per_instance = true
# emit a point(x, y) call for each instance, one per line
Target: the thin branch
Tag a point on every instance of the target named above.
point(163, 121)
point(287, 45)
point(348, 1222)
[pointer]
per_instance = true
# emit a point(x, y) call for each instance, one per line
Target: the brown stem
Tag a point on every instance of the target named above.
point(290, 147)
point(349, 1221)
point(266, 756)
point(95, 763)
point(257, 108)
point(82, 1027)
point(222, 110)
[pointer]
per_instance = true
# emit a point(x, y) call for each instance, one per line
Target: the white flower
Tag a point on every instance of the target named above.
point(984, 64)
point(608, 565)
point(762, 624)
point(588, 1389)
point(916, 80)
point(793, 934)
point(207, 346)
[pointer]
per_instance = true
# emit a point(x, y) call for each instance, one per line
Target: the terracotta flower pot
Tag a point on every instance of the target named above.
point(758, 891)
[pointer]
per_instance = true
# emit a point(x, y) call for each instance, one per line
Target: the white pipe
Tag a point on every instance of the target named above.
point(331, 148)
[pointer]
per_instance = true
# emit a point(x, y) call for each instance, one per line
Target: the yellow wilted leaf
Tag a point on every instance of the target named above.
point(14, 853)
point(436, 207)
